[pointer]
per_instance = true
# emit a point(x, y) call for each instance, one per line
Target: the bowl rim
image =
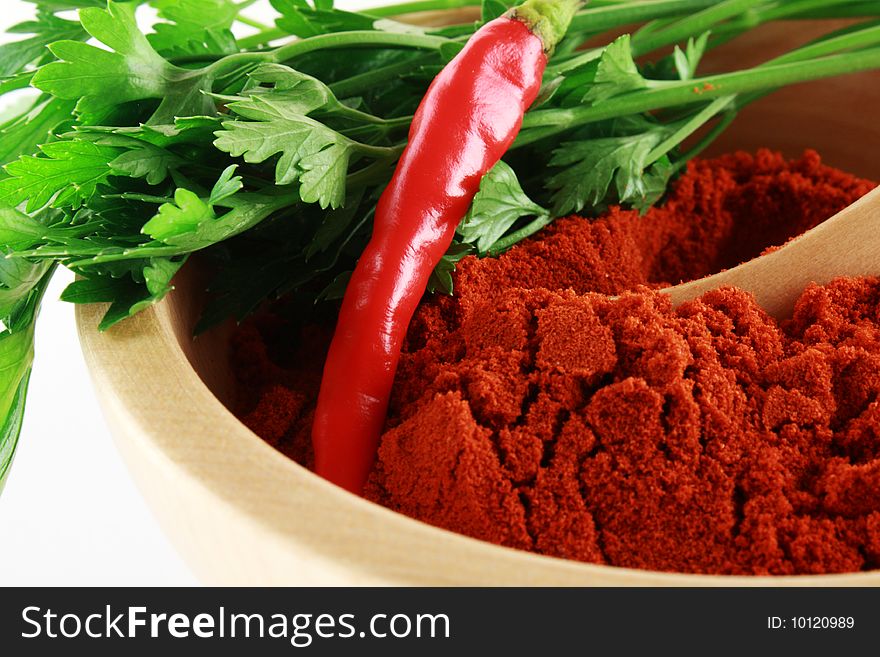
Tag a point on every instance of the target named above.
point(136, 364)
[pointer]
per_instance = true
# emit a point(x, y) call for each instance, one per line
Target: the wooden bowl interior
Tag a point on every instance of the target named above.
point(367, 544)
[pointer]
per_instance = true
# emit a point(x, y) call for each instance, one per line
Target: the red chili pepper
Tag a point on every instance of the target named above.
point(467, 120)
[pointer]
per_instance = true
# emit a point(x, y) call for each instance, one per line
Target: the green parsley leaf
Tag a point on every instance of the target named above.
point(101, 80)
point(146, 161)
point(101, 289)
point(227, 186)
point(194, 27)
point(129, 299)
point(311, 153)
point(147, 283)
point(11, 351)
point(18, 231)
point(299, 19)
point(206, 14)
point(292, 93)
point(335, 291)
point(656, 181)
point(586, 169)
point(177, 219)
point(39, 125)
point(616, 72)
point(158, 275)
point(686, 61)
point(196, 130)
point(190, 223)
point(68, 175)
point(334, 223)
point(16, 358)
point(138, 158)
point(18, 81)
point(441, 278)
point(497, 206)
point(46, 29)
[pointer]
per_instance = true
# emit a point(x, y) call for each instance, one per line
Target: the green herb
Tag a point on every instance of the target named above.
point(65, 172)
point(37, 125)
point(46, 29)
point(500, 203)
point(687, 60)
point(195, 27)
point(589, 167)
point(21, 290)
point(266, 155)
point(441, 277)
point(616, 72)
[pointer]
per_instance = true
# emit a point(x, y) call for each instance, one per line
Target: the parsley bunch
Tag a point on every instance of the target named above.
point(266, 154)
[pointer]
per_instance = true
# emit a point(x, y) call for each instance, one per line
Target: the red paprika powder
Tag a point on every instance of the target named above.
point(531, 410)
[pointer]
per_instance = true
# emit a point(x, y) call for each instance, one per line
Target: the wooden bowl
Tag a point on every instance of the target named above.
point(241, 513)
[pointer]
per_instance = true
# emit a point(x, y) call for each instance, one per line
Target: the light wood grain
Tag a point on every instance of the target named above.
point(243, 514)
point(847, 244)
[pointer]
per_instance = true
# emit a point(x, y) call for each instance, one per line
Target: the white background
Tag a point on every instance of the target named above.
point(70, 514)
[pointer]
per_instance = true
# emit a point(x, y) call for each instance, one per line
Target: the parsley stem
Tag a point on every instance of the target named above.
point(848, 39)
point(706, 140)
point(261, 38)
point(820, 9)
point(602, 15)
point(863, 9)
point(604, 18)
point(247, 210)
point(689, 127)
point(800, 9)
point(370, 120)
point(418, 6)
point(379, 152)
point(583, 57)
point(544, 123)
point(351, 39)
point(185, 60)
point(836, 42)
point(356, 84)
point(690, 25)
point(797, 8)
point(146, 198)
point(355, 39)
point(371, 125)
point(601, 18)
point(244, 20)
point(375, 172)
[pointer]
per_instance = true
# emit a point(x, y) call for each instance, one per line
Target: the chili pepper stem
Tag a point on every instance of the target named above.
point(434, 183)
point(547, 19)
